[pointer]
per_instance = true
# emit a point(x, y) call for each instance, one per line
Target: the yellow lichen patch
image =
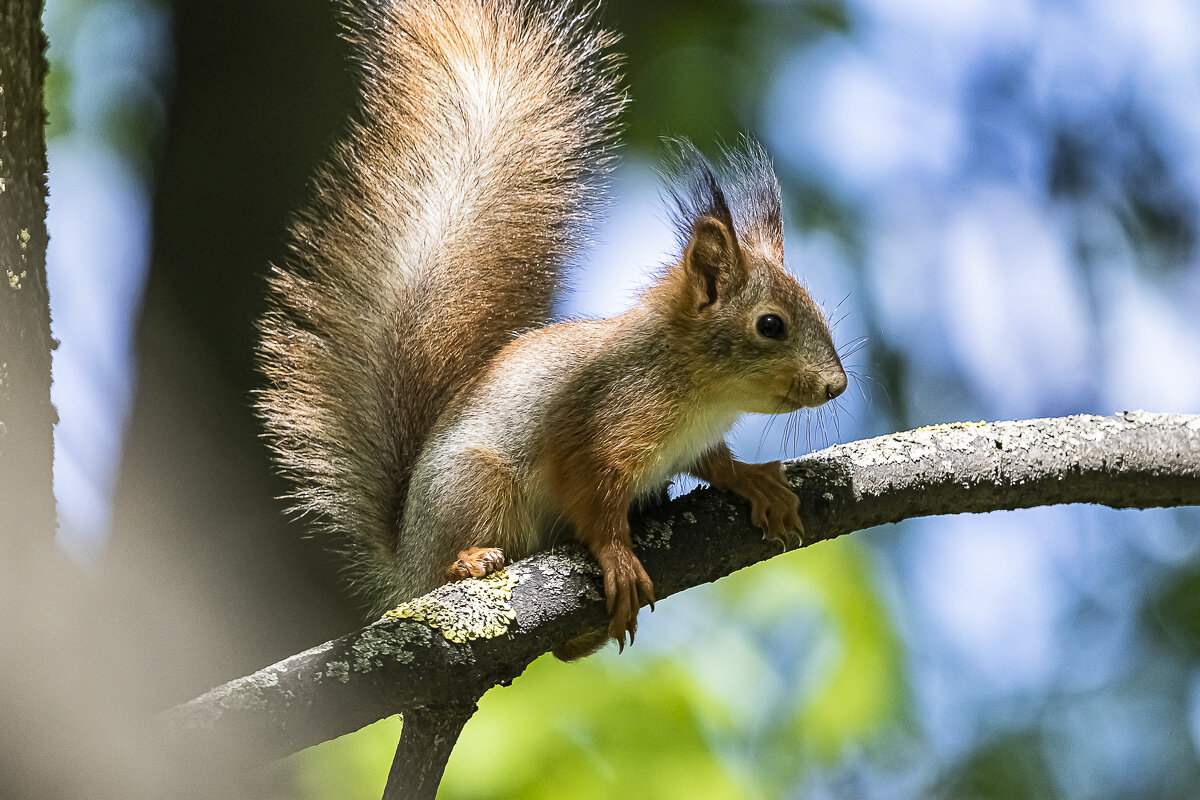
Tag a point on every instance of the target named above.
point(483, 613)
point(945, 426)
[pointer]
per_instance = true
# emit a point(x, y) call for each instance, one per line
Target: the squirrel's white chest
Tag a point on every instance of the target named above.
point(695, 435)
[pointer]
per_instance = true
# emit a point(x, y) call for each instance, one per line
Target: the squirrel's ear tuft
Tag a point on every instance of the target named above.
point(712, 259)
point(712, 262)
point(692, 191)
point(757, 204)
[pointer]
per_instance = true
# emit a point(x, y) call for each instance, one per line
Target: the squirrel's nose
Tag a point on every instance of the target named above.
point(835, 386)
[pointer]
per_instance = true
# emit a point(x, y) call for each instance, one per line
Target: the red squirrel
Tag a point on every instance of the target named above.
point(429, 414)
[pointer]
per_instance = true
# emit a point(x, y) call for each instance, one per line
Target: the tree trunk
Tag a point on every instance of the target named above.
point(26, 416)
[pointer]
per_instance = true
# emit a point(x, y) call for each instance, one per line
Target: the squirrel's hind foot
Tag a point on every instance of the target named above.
point(475, 562)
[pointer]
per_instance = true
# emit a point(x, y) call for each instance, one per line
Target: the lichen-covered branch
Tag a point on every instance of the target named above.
point(1135, 460)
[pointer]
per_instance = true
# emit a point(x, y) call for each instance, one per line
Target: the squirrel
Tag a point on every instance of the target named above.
point(428, 411)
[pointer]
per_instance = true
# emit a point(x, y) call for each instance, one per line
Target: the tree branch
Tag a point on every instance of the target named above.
point(425, 743)
point(1135, 460)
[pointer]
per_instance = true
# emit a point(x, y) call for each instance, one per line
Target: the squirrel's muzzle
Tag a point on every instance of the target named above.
point(835, 384)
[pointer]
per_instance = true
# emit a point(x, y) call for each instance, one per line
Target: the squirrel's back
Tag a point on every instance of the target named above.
point(439, 227)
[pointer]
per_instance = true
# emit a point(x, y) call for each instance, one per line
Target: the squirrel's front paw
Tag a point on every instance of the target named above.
point(626, 588)
point(774, 506)
point(475, 562)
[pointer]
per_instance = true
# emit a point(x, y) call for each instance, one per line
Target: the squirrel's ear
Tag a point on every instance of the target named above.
point(712, 260)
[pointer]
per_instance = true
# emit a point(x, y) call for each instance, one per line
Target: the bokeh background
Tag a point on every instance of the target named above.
point(997, 203)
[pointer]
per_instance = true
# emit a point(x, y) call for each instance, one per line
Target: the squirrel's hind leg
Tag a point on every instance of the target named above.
point(479, 515)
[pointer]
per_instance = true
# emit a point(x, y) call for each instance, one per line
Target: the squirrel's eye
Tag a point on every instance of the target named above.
point(770, 326)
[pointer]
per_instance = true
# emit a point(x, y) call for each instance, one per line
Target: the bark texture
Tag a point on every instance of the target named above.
point(26, 416)
point(1134, 460)
point(425, 744)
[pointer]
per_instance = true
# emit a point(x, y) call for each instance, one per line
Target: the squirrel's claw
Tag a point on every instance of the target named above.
point(774, 507)
point(626, 588)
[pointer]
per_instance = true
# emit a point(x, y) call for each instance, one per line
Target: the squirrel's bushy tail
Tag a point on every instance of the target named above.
point(438, 228)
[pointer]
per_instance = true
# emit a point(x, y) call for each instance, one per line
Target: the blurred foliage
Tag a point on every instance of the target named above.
point(109, 63)
point(1005, 768)
point(350, 767)
point(701, 69)
point(792, 678)
point(1172, 611)
point(864, 687)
